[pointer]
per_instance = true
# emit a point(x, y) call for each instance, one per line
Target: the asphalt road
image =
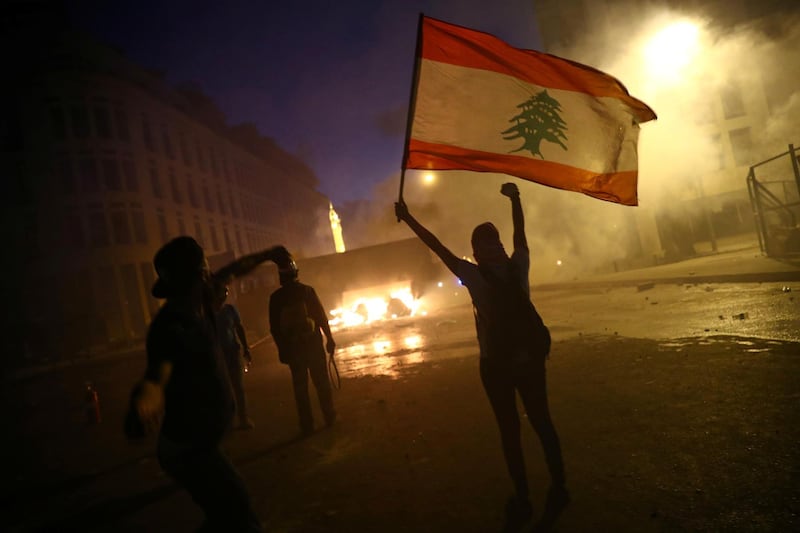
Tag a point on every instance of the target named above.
point(58, 463)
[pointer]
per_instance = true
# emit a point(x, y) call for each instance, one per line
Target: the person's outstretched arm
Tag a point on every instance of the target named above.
point(517, 217)
point(430, 240)
point(244, 265)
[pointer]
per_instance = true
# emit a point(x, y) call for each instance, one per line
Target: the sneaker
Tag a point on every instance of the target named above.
point(557, 499)
point(518, 513)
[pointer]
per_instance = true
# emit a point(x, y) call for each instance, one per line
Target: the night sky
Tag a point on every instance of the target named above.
point(329, 81)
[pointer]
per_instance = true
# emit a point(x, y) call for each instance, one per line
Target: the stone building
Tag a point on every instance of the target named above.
point(102, 162)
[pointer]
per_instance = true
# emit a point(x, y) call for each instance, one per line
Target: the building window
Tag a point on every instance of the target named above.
point(192, 192)
point(184, 148)
point(198, 232)
point(173, 182)
point(120, 225)
point(79, 116)
point(214, 240)
point(201, 160)
point(98, 228)
point(742, 146)
point(213, 159)
point(155, 181)
point(147, 134)
point(234, 212)
point(139, 228)
point(129, 172)
point(207, 198)
point(87, 168)
point(717, 154)
point(58, 125)
point(166, 142)
point(162, 225)
point(227, 237)
point(221, 201)
point(111, 175)
point(732, 103)
point(238, 240)
point(102, 121)
point(121, 116)
point(225, 169)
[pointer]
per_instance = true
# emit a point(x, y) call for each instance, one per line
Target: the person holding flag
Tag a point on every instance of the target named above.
point(514, 343)
point(478, 104)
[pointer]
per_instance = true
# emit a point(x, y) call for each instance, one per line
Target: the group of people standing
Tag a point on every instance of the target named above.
point(195, 344)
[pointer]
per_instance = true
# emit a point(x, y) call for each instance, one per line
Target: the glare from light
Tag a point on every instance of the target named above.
point(670, 50)
point(429, 178)
point(440, 284)
point(413, 341)
point(381, 346)
point(558, 262)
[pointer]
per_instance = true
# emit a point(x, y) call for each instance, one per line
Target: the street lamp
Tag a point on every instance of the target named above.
point(671, 49)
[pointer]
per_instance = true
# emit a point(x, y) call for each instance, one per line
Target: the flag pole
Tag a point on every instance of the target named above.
point(411, 104)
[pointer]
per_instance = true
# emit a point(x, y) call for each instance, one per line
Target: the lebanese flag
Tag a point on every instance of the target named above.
point(481, 105)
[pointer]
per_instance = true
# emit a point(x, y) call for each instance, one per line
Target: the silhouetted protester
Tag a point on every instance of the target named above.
point(296, 317)
point(514, 344)
point(233, 341)
point(186, 383)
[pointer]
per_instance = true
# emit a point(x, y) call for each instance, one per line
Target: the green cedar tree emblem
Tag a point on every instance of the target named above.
point(538, 121)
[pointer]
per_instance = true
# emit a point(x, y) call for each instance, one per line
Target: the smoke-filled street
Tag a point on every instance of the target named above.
point(676, 407)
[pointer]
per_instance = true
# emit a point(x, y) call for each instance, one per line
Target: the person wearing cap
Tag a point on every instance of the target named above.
point(296, 318)
point(186, 394)
point(514, 344)
point(233, 341)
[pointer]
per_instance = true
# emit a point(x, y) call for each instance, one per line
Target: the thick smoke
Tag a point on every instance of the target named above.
point(684, 155)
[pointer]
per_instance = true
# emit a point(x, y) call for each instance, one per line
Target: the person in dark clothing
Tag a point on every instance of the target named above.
point(296, 317)
point(233, 341)
point(514, 344)
point(186, 390)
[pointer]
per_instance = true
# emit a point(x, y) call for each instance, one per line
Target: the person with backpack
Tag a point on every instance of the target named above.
point(514, 344)
point(296, 319)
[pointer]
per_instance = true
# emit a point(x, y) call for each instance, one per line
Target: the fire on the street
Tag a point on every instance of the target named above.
point(370, 305)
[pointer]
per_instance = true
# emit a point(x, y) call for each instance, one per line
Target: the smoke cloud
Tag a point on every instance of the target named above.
point(686, 155)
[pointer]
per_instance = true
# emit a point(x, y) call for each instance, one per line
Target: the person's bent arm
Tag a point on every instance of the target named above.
point(430, 240)
point(245, 265)
point(517, 217)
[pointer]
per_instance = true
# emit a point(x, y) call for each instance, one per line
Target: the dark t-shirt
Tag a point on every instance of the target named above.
point(199, 402)
point(289, 350)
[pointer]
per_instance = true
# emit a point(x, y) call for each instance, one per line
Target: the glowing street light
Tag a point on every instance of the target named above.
point(670, 50)
point(429, 178)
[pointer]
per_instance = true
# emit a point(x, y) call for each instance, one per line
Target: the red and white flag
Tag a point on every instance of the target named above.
point(485, 106)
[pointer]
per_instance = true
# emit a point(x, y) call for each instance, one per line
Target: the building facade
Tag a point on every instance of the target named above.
point(102, 164)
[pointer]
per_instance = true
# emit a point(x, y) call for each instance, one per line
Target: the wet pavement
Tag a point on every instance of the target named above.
point(646, 311)
point(61, 464)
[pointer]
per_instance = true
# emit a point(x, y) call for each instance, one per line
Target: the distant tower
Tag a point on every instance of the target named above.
point(336, 229)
